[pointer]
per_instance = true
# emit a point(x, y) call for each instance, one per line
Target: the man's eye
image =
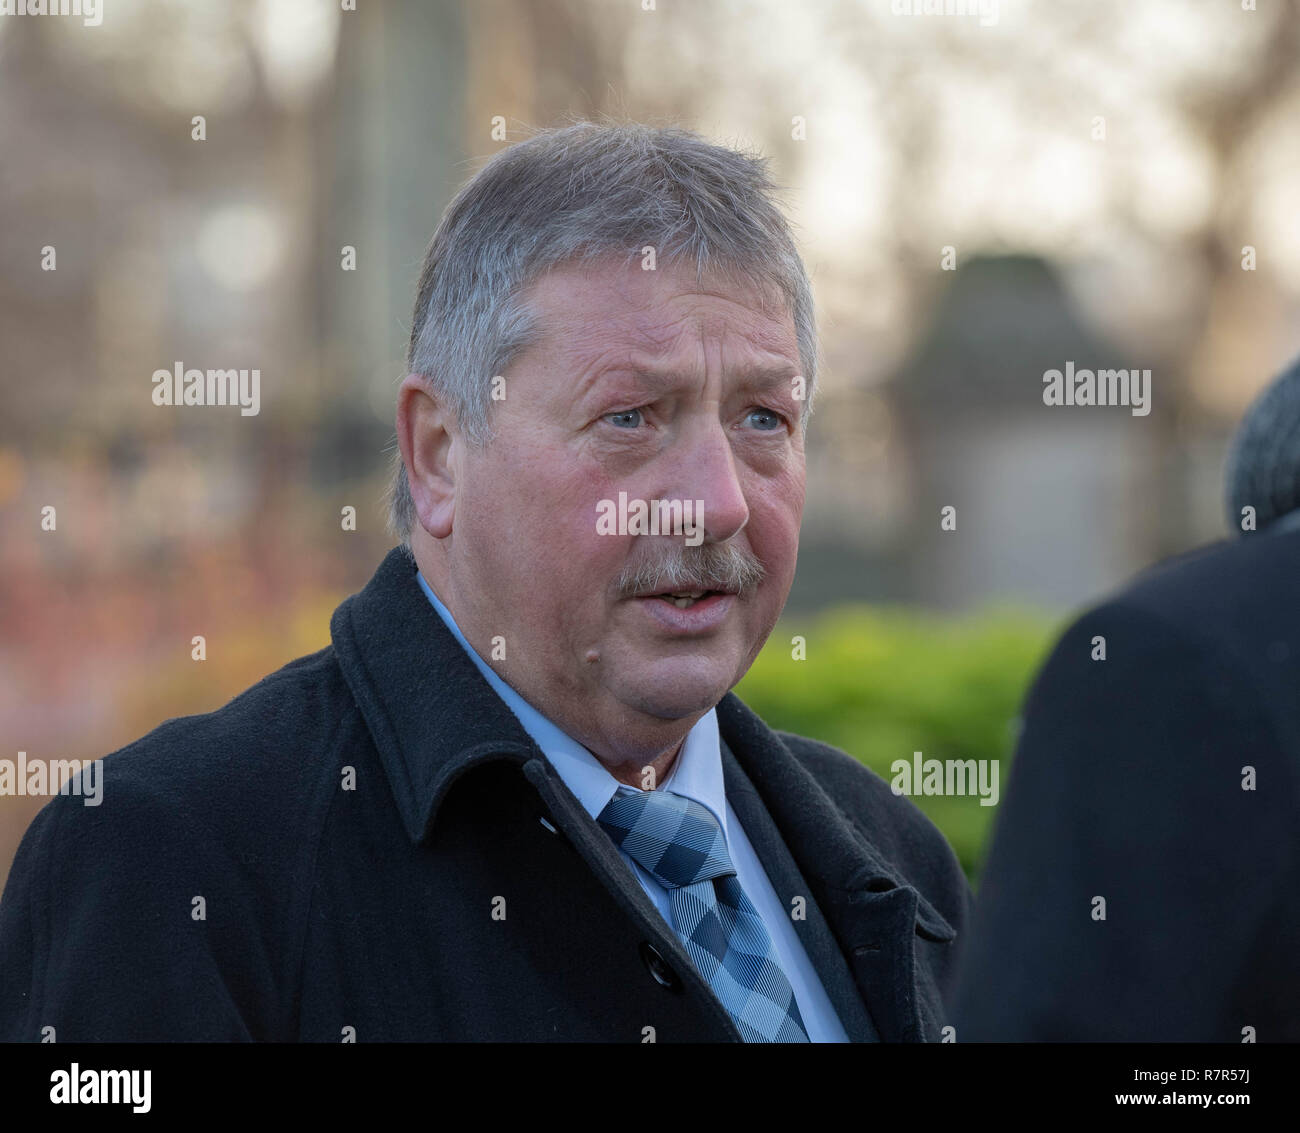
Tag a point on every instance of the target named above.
point(621, 419)
point(770, 415)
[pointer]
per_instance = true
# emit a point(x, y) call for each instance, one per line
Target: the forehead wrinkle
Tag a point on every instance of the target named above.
point(647, 358)
point(751, 366)
point(648, 337)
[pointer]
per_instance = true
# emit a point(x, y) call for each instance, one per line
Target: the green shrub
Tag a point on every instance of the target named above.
point(884, 682)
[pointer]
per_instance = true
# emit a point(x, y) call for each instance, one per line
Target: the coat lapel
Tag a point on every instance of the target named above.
point(872, 912)
point(783, 872)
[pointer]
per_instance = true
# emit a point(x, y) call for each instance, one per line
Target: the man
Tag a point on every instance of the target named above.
point(515, 799)
point(1142, 877)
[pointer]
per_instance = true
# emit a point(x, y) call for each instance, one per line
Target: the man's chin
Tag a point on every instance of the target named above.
point(675, 699)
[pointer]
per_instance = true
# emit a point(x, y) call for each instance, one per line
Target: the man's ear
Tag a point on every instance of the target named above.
point(424, 435)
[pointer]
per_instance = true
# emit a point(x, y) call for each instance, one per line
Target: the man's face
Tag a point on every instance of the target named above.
point(643, 383)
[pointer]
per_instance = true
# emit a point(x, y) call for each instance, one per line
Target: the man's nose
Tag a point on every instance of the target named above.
point(706, 470)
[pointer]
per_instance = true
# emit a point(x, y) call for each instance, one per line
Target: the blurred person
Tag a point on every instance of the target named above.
point(1141, 879)
point(515, 798)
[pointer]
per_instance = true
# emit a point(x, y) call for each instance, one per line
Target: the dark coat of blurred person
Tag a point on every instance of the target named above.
point(1143, 874)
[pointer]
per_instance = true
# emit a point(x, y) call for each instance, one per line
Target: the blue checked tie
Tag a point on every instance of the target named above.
point(681, 844)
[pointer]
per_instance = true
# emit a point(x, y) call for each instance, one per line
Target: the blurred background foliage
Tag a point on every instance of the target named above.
point(884, 682)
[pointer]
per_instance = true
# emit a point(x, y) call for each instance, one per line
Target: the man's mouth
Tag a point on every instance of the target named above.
point(685, 599)
point(693, 612)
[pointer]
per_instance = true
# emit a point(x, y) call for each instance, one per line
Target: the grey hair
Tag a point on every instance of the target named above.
point(1263, 465)
point(572, 194)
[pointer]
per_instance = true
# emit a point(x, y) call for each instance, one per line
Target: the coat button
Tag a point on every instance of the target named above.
point(663, 975)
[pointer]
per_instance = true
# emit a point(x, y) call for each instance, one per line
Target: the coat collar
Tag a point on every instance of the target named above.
point(429, 710)
point(433, 717)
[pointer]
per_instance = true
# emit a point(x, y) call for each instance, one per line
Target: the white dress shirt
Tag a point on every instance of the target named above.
point(697, 774)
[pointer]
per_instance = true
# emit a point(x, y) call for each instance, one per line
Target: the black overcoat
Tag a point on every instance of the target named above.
point(1142, 880)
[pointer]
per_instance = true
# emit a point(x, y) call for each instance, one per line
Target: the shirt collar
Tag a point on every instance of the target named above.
point(696, 772)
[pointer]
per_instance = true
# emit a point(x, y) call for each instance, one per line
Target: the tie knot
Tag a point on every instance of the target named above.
point(673, 837)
